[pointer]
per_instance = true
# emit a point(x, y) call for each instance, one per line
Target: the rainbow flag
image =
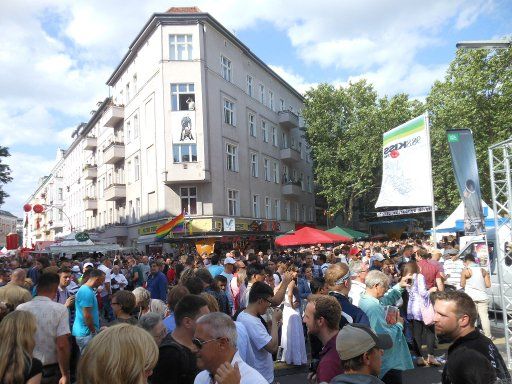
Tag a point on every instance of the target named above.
point(174, 225)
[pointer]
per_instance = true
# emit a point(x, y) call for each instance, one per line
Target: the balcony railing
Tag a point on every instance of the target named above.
point(113, 152)
point(90, 203)
point(289, 154)
point(90, 143)
point(90, 172)
point(114, 115)
point(288, 119)
point(115, 192)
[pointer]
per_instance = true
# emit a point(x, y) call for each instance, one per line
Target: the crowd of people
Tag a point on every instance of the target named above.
point(358, 313)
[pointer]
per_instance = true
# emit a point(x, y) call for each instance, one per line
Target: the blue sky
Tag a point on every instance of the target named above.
point(59, 55)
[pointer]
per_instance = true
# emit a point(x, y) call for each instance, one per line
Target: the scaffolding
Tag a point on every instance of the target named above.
point(500, 159)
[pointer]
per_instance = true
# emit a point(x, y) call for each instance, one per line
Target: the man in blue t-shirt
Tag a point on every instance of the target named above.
point(87, 320)
point(215, 269)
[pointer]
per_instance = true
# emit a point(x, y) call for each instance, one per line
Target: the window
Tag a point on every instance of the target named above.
point(302, 184)
point(304, 213)
point(60, 193)
point(266, 169)
point(274, 136)
point(311, 214)
point(134, 81)
point(264, 131)
point(189, 200)
point(268, 210)
point(233, 202)
point(180, 47)
point(281, 104)
point(254, 165)
point(256, 206)
point(287, 213)
point(127, 92)
point(229, 112)
point(252, 125)
point(136, 168)
point(225, 68)
point(137, 208)
point(277, 209)
point(275, 165)
point(262, 94)
point(129, 167)
point(135, 126)
point(309, 184)
point(232, 157)
point(182, 97)
point(271, 100)
point(184, 153)
point(249, 85)
point(300, 150)
point(128, 132)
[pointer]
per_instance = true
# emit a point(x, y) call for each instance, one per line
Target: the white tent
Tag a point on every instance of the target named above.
point(70, 245)
point(458, 214)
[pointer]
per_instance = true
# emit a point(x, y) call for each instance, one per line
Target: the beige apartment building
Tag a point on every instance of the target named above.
point(196, 123)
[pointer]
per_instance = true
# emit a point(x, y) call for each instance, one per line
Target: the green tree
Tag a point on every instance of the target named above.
point(344, 131)
point(5, 173)
point(476, 93)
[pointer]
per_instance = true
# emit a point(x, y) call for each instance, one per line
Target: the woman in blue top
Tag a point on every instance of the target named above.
point(372, 302)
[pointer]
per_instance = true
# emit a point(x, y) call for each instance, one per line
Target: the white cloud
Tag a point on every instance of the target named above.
point(296, 81)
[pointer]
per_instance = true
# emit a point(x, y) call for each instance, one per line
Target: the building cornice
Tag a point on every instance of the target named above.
point(158, 19)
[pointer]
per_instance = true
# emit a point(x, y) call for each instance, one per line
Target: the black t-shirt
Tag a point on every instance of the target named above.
point(35, 369)
point(176, 364)
point(478, 342)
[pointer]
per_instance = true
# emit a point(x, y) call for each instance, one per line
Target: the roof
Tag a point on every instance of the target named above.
point(189, 16)
point(5, 213)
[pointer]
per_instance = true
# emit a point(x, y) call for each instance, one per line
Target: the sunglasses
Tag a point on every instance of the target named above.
point(199, 343)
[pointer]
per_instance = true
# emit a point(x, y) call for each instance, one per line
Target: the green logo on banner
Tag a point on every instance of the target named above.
point(82, 236)
point(453, 137)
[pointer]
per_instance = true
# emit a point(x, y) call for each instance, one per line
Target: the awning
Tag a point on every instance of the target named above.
point(147, 239)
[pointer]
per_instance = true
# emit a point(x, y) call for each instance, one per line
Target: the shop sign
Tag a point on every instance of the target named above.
point(229, 224)
point(82, 236)
point(148, 229)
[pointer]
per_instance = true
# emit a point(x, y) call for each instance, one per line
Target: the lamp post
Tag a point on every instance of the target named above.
point(484, 44)
point(62, 211)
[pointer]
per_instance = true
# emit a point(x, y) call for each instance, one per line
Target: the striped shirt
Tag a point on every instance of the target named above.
point(453, 269)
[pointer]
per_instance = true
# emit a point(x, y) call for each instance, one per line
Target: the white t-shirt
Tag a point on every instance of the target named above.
point(259, 338)
point(357, 288)
point(106, 270)
point(243, 344)
point(248, 375)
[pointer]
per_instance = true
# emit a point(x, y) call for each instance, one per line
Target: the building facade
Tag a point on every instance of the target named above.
point(7, 225)
point(196, 123)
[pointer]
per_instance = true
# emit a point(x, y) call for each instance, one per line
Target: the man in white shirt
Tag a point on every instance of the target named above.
point(117, 280)
point(216, 340)
point(52, 336)
point(359, 270)
point(263, 345)
point(105, 290)
point(453, 269)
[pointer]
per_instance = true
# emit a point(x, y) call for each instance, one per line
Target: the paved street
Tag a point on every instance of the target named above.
point(423, 375)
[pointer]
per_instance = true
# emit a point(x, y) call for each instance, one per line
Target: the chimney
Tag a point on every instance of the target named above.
point(183, 10)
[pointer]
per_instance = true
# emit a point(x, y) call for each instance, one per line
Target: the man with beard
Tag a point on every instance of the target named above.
point(455, 316)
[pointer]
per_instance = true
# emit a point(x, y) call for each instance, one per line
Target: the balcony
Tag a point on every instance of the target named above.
point(90, 143)
point(115, 192)
point(292, 188)
point(90, 203)
point(113, 115)
point(90, 172)
point(290, 155)
point(288, 119)
point(113, 153)
point(183, 173)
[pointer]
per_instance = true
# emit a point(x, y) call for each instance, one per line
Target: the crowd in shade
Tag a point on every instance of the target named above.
point(353, 313)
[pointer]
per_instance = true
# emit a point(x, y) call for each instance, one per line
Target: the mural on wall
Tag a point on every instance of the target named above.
point(183, 127)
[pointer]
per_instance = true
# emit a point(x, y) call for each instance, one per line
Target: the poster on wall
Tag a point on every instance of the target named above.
point(183, 125)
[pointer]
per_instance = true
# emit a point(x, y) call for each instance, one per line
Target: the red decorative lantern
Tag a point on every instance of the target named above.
point(27, 207)
point(38, 208)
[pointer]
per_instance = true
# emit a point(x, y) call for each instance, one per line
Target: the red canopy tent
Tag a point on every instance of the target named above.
point(308, 235)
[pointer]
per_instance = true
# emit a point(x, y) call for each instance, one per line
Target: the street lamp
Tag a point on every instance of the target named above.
point(484, 44)
point(62, 211)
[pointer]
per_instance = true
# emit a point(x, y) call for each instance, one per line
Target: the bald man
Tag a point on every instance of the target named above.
point(13, 292)
point(338, 283)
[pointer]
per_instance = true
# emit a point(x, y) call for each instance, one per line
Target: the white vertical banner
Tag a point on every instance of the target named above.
point(406, 166)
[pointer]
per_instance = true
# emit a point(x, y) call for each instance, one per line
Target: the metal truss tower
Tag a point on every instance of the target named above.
point(500, 163)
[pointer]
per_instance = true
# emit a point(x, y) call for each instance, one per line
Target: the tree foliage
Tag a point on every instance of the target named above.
point(344, 130)
point(5, 173)
point(476, 93)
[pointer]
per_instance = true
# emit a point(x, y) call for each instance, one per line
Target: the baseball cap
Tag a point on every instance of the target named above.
point(229, 260)
point(88, 265)
point(354, 251)
point(378, 257)
point(75, 268)
point(355, 339)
